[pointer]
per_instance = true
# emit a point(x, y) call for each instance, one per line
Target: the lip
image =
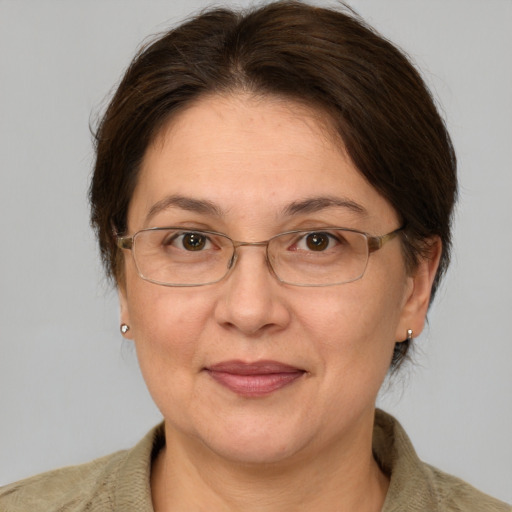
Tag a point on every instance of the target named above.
point(254, 379)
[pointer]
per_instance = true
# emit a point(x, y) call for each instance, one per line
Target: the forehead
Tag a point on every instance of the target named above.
point(252, 154)
point(245, 126)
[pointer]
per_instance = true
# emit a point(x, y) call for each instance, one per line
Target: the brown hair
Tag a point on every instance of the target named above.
point(375, 98)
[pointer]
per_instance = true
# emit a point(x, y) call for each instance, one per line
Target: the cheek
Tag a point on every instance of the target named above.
point(168, 329)
point(354, 325)
point(166, 323)
point(355, 313)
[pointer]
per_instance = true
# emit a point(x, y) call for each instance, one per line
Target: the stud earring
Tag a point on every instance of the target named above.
point(409, 334)
point(124, 328)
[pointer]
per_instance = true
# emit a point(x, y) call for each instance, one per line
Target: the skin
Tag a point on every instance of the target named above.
point(306, 446)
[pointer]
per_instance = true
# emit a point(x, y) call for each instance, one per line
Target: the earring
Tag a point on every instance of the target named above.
point(409, 334)
point(124, 328)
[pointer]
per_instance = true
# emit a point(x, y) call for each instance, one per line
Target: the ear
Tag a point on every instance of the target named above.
point(124, 315)
point(417, 298)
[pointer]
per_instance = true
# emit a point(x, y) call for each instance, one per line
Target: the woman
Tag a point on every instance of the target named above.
point(272, 195)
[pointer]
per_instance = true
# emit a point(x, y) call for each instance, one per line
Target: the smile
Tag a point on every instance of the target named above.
point(256, 379)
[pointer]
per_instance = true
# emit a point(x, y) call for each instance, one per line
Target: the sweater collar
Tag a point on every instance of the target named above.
point(411, 487)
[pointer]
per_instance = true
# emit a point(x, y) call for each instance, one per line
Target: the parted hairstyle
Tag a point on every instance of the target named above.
point(370, 93)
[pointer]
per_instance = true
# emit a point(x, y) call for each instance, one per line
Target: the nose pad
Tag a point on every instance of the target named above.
point(232, 261)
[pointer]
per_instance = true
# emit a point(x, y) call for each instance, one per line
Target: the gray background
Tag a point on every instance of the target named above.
point(70, 388)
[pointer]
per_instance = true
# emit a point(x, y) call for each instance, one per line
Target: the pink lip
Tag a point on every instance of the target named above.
point(255, 379)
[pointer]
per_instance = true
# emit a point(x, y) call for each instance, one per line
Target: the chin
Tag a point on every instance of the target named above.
point(258, 453)
point(254, 444)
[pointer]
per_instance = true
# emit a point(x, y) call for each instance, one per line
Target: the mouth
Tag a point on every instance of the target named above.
point(256, 379)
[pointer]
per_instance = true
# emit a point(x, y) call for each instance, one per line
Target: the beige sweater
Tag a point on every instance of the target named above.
point(120, 482)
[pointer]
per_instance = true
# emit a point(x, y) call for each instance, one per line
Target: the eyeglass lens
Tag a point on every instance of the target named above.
point(177, 257)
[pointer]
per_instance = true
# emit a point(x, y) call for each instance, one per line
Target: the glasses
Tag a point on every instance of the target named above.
point(317, 257)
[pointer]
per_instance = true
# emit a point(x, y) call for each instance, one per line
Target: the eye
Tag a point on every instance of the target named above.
point(191, 241)
point(317, 241)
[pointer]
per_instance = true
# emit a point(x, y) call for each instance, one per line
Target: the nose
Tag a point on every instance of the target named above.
point(252, 300)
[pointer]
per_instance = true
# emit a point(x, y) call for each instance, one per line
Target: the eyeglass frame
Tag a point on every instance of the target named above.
point(374, 243)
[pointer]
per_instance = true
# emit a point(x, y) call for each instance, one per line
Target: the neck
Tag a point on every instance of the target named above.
point(340, 478)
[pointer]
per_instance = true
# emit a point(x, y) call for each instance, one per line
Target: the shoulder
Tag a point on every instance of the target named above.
point(117, 482)
point(416, 486)
point(453, 494)
point(67, 489)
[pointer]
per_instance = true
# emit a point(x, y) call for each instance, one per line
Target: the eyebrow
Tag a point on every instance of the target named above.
point(205, 207)
point(315, 204)
point(201, 206)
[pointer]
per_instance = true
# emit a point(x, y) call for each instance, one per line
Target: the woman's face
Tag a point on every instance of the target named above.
point(205, 351)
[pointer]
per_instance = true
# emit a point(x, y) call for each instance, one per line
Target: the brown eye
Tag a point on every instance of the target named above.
point(193, 241)
point(318, 241)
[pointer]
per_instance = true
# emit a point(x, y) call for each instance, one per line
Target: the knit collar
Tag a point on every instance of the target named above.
point(411, 487)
